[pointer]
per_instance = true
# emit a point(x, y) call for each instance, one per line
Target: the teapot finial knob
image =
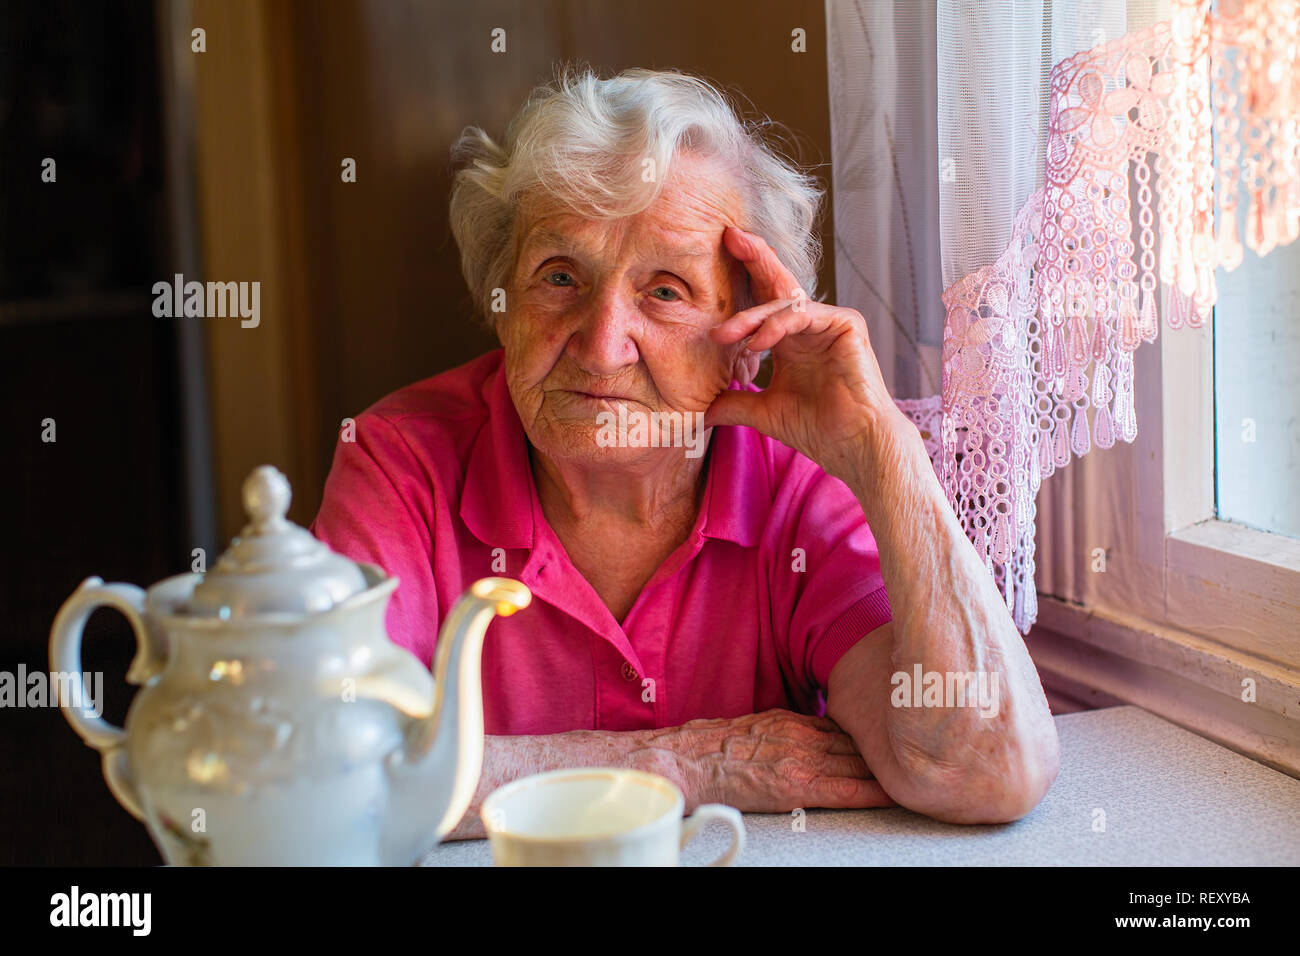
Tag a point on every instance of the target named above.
point(266, 496)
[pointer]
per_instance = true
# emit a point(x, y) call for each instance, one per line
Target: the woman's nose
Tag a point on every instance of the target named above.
point(604, 342)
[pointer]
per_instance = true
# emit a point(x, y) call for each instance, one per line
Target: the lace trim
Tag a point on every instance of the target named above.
point(1035, 339)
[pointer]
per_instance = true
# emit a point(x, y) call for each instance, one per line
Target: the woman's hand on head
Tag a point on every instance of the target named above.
point(827, 393)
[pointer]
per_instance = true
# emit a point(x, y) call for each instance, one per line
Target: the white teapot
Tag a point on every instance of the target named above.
point(277, 724)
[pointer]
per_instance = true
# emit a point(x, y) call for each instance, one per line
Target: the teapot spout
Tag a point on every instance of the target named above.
point(446, 748)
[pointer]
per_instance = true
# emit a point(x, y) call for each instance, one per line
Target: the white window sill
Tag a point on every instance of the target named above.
point(1236, 585)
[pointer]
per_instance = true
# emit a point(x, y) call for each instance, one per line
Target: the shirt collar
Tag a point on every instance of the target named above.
point(497, 502)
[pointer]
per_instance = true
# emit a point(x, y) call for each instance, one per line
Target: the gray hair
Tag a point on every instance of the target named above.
point(582, 141)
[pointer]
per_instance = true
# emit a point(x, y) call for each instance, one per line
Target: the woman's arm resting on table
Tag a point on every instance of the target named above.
point(991, 760)
point(828, 400)
point(771, 762)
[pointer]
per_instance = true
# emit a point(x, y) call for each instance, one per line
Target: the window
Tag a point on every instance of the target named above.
point(1148, 595)
point(1257, 393)
point(1225, 576)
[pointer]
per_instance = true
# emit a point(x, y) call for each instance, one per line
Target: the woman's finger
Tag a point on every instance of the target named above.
point(841, 743)
point(768, 324)
point(743, 323)
point(820, 723)
point(778, 325)
point(764, 325)
point(846, 793)
point(822, 734)
point(769, 278)
point(844, 765)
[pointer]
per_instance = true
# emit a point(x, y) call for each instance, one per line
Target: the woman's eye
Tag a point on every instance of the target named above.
point(559, 278)
point(671, 294)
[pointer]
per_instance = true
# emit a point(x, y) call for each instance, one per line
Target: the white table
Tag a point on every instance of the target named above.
point(1168, 795)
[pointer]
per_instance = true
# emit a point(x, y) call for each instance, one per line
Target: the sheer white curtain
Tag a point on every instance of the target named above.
point(1060, 151)
point(939, 119)
point(883, 82)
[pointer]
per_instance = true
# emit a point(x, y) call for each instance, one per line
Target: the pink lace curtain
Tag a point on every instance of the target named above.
point(1085, 166)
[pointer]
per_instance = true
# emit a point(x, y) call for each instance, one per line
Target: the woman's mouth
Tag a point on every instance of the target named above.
point(598, 397)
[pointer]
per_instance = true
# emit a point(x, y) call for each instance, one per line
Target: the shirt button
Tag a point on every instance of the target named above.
point(628, 671)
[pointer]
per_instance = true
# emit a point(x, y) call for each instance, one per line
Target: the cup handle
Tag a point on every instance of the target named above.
point(716, 811)
point(65, 658)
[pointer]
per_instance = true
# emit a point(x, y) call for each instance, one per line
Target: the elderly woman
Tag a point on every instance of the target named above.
point(699, 585)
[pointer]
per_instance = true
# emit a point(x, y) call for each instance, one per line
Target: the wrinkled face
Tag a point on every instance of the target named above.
point(603, 313)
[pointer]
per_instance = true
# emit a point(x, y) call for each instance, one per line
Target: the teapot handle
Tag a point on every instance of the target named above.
point(65, 660)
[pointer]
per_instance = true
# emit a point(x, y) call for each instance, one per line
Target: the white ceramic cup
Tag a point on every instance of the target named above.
point(598, 817)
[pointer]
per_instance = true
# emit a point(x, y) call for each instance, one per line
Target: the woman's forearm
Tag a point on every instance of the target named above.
point(770, 762)
point(950, 620)
point(508, 758)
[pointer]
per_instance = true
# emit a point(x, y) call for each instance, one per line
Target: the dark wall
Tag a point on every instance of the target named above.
point(79, 347)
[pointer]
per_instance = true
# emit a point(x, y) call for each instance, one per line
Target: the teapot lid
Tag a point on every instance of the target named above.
point(274, 566)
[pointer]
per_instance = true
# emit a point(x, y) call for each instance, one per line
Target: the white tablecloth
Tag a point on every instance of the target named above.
point(1168, 796)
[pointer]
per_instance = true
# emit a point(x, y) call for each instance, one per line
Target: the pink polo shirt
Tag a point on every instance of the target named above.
point(777, 579)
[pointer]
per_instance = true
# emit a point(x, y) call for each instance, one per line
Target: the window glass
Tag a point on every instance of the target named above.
point(1257, 391)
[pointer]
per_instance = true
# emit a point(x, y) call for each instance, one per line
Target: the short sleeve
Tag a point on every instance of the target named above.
point(827, 580)
point(377, 509)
